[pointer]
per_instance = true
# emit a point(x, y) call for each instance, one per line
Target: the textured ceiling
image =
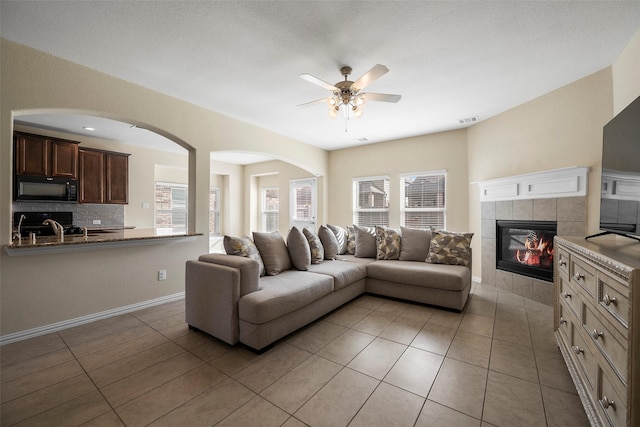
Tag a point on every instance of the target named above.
point(448, 59)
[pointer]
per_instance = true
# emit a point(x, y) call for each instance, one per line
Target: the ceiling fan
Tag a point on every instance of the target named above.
point(348, 95)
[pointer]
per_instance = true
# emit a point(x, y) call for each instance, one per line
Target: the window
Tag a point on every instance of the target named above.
point(423, 200)
point(171, 208)
point(371, 201)
point(214, 211)
point(270, 209)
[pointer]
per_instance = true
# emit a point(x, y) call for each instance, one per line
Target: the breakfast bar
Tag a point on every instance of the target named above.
point(95, 239)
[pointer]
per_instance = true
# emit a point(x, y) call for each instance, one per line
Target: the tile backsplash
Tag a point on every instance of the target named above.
point(83, 214)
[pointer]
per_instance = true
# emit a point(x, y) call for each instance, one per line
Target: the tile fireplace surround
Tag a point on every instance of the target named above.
point(568, 208)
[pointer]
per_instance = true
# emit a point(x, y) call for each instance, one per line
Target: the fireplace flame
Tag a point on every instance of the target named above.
point(536, 252)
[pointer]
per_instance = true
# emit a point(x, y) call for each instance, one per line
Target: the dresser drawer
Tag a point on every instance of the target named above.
point(565, 323)
point(563, 261)
point(613, 301)
point(586, 359)
point(570, 296)
point(583, 274)
point(609, 400)
point(605, 339)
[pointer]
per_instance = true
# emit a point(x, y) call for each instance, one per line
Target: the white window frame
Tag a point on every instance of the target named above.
point(358, 210)
point(215, 211)
point(171, 230)
point(404, 209)
point(266, 211)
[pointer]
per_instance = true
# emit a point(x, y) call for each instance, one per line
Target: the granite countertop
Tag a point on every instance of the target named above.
point(95, 237)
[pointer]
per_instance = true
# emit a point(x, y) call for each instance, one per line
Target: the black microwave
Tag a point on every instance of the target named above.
point(45, 189)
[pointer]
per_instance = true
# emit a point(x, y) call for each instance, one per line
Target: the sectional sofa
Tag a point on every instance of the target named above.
point(262, 290)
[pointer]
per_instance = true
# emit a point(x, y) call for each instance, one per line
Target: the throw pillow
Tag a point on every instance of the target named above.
point(351, 240)
point(298, 249)
point(341, 238)
point(315, 246)
point(450, 248)
point(388, 242)
point(243, 246)
point(329, 242)
point(365, 242)
point(273, 251)
point(415, 244)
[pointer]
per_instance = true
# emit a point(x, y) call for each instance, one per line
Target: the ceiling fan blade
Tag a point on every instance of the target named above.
point(317, 81)
point(384, 97)
point(317, 101)
point(369, 77)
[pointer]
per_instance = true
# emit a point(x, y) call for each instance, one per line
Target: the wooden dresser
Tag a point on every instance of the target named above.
point(597, 324)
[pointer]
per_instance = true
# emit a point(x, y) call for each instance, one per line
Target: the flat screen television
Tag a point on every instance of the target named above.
point(620, 184)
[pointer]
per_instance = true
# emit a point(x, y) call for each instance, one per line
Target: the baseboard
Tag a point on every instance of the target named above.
point(54, 327)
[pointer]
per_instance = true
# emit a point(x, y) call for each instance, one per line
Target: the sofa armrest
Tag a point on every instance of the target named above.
point(212, 292)
point(249, 269)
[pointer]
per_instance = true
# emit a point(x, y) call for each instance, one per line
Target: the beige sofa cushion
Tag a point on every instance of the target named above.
point(447, 277)
point(344, 273)
point(282, 294)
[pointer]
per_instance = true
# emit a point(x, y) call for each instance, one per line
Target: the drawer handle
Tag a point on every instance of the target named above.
point(606, 403)
point(595, 334)
point(607, 300)
point(563, 320)
point(577, 350)
point(562, 263)
point(565, 295)
point(578, 276)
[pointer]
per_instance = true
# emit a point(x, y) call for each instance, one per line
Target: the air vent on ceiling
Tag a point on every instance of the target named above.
point(362, 140)
point(468, 120)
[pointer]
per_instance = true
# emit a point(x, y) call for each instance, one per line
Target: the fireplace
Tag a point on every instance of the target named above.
point(526, 248)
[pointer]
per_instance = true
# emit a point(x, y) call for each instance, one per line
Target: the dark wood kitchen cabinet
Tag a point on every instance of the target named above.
point(104, 177)
point(45, 156)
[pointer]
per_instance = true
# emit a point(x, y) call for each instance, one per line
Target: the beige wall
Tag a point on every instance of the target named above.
point(40, 290)
point(626, 69)
point(441, 151)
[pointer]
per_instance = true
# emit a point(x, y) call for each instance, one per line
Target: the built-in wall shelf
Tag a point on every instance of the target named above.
point(565, 182)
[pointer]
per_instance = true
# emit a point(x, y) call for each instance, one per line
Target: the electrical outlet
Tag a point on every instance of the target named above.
point(145, 205)
point(97, 222)
point(162, 274)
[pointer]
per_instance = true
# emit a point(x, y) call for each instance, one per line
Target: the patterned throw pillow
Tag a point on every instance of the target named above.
point(351, 240)
point(341, 237)
point(243, 246)
point(388, 243)
point(450, 248)
point(315, 246)
point(329, 242)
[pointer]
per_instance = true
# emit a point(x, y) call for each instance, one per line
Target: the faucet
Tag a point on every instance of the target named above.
point(18, 233)
point(57, 228)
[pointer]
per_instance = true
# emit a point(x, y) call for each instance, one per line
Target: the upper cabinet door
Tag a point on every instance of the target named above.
point(44, 156)
point(117, 178)
point(64, 159)
point(32, 155)
point(91, 177)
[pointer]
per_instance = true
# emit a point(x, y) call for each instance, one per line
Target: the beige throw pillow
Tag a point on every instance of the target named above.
point(341, 238)
point(273, 251)
point(415, 244)
point(298, 248)
point(365, 242)
point(329, 242)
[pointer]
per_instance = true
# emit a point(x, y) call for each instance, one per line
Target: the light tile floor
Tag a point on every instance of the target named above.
point(372, 362)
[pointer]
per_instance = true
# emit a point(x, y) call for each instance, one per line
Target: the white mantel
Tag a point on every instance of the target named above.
point(565, 182)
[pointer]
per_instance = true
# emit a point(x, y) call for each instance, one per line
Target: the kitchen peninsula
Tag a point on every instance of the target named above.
point(96, 239)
